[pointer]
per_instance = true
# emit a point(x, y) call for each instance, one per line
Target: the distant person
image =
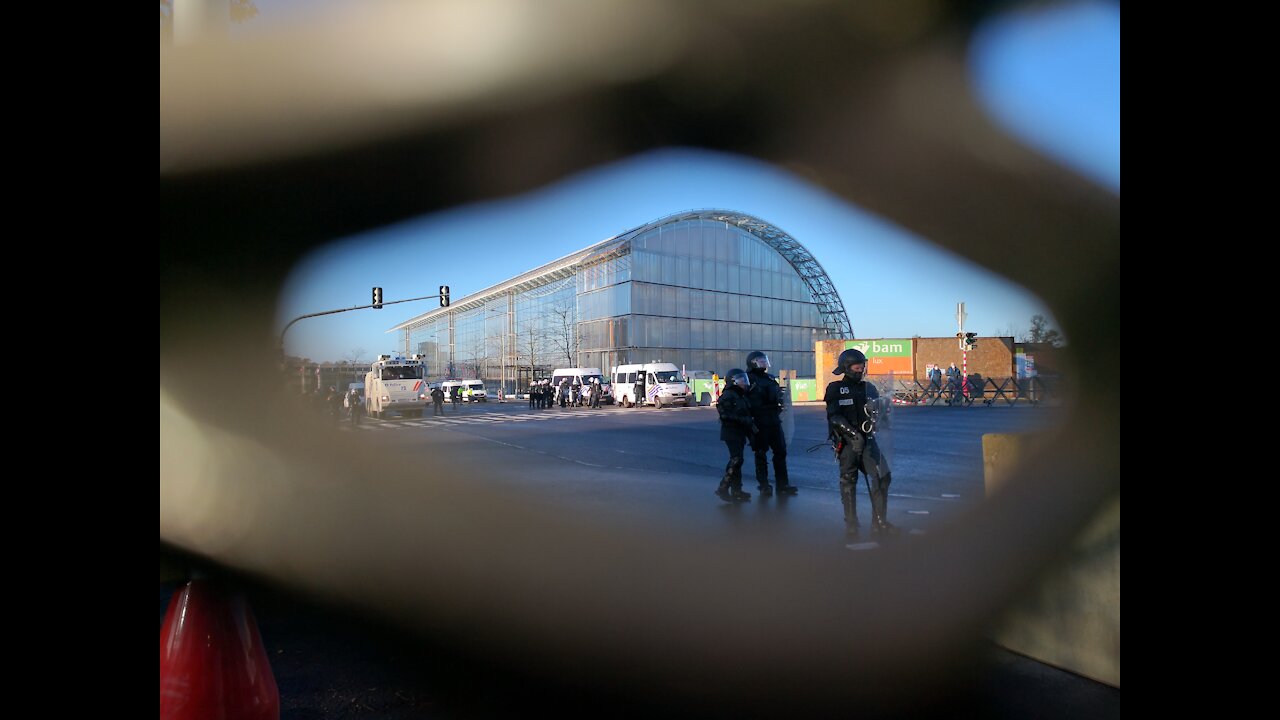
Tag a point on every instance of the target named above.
point(597, 390)
point(765, 395)
point(355, 406)
point(736, 427)
point(335, 399)
point(437, 401)
point(935, 380)
point(638, 390)
point(502, 397)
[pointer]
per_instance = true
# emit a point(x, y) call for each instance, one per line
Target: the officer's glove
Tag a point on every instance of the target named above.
point(842, 427)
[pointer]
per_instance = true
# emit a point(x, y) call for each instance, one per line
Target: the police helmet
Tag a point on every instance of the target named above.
point(852, 356)
point(739, 378)
point(757, 361)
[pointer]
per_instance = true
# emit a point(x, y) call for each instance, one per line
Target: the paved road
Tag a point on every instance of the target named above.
point(662, 465)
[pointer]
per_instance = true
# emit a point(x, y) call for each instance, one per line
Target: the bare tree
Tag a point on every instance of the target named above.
point(479, 347)
point(563, 330)
point(1042, 333)
point(532, 344)
point(354, 356)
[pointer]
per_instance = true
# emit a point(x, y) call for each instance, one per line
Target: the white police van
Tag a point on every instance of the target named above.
point(478, 393)
point(584, 376)
point(663, 385)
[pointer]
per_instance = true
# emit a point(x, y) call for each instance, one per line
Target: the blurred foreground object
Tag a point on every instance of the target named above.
point(212, 661)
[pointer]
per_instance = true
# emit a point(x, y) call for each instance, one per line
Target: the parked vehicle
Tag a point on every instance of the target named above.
point(663, 385)
point(478, 393)
point(702, 392)
point(584, 376)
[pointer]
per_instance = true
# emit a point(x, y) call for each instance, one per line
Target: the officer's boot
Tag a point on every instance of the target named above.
point(848, 497)
point(780, 472)
point(723, 491)
point(726, 482)
point(880, 507)
point(735, 481)
point(762, 475)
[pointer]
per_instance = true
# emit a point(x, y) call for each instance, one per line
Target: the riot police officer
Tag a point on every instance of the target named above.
point(736, 426)
point(766, 406)
point(852, 428)
point(356, 405)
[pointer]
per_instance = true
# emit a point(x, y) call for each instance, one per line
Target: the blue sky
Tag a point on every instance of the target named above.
point(1051, 76)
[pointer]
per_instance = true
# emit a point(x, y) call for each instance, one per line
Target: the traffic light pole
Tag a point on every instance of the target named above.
point(357, 307)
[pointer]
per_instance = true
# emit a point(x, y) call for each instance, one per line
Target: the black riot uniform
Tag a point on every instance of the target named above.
point(852, 428)
point(736, 426)
point(766, 406)
point(356, 405)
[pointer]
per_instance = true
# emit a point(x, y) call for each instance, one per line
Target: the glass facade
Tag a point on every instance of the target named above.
point(697, 292)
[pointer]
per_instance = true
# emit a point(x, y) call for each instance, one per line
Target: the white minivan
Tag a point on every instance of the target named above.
point(478, 393)
point(583, 376)
point(663, 385)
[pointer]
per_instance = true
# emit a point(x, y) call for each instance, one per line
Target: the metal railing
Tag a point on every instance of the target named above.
point(985, 391)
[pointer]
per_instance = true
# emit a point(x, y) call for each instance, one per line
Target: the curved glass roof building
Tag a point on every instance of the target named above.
point(699, 289)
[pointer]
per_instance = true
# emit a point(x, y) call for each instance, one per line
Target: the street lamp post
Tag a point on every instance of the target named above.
point(502, 362)
point(435, 343)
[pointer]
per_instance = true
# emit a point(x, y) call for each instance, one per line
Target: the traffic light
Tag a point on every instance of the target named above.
point(444, 296)
point(970, 339)
point(960, 340)
point(377, 298)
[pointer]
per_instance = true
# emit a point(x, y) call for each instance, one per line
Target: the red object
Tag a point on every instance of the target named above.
point(212, 662)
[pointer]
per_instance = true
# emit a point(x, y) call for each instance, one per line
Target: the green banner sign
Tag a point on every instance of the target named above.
point(889, 347)
point(804, 390)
